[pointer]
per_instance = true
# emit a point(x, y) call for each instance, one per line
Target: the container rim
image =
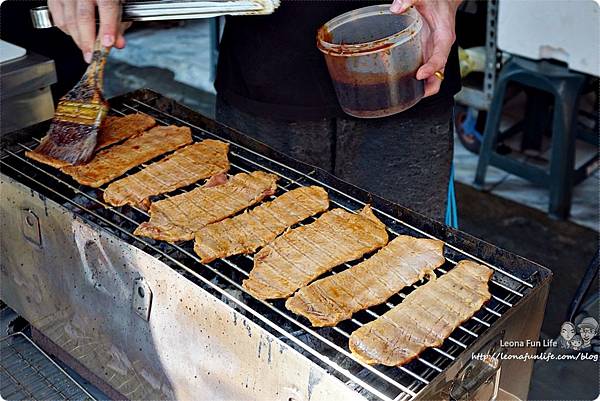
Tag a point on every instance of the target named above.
point(358, 49)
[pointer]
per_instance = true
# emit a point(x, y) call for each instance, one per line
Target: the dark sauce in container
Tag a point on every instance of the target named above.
point(373, 57)
point(371, 99)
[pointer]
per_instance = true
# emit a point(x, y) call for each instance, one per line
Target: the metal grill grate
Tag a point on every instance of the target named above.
point(327, 347)
point(27, 373)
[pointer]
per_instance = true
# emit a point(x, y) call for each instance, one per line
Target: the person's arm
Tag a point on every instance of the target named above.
point(77, 18)
point(439, 16)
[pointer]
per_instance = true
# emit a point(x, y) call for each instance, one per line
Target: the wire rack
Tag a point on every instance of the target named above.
point(328, 347)
point(27, 373)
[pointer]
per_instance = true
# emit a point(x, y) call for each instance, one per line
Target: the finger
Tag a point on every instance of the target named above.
point(442, 43)
point(86, 16)
point(110, 16)
point(58, 14)
point(70, 15)
point(399, 6)
point(121, 42)
point(432, 86)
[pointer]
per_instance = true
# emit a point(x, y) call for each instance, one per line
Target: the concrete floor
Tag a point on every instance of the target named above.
point(511, 215)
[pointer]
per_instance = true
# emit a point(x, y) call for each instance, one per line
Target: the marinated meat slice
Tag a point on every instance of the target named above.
point(247, 232)
point(115, 161)
point(42, 158)
point(401, 263)
point(116, 129)
point(304, 253)
point(184, 167)
point(425, 318)
point(179, 217)
point(112, 130)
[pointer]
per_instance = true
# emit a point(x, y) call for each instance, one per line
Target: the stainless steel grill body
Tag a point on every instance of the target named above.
point(153, 322)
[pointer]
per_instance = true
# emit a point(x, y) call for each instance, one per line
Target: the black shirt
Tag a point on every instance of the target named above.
point(270, 65)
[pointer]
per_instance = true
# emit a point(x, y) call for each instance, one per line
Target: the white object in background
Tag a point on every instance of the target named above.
point(10, 52)
point(565, 30)
point(471, 60)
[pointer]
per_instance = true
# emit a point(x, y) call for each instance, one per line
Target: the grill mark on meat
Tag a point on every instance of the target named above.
point(425, 318)
point(212, 212)
point(338, 233)
point(253, 185)
point(298, 216)
point(304, 253)
point(339, 286)
point(215, 209)
point(115, 161)
point(329, 300)
point(418, 330)
point(247, 232)
point(177, 218)
point(435, 320)
point(317, 246)
point(209, 157)
point(298, 249)
point(404, 261)
point(454, 309)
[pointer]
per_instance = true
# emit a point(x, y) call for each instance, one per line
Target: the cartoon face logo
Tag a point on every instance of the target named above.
point(588, 328)
point(567, 331)
point(576, 342)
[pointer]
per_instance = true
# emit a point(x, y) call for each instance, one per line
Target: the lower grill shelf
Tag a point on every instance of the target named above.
point(27, 373)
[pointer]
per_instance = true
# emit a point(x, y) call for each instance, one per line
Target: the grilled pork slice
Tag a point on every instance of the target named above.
point(184, 167)
point(178, 218)
point(116, 129)
point(249, 231)
point(115, 161)
point(112, 130)
point(425, 318)
point(42, 158)
point(401, 263)
point(300, 255)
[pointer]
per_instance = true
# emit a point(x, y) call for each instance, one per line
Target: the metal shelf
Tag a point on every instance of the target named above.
point(480, 98)
point(27, 373)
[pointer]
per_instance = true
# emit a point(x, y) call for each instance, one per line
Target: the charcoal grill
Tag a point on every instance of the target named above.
point(150, 321)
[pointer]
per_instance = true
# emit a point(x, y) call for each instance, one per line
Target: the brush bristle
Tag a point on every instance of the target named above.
point(75, 152)
point(74, 130)
point(73, 134)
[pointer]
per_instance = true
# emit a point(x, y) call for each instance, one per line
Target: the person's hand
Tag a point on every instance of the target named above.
point(438, 36)
point(77, 18)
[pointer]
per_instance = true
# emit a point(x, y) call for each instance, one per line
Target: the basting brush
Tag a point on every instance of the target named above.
point(73, 133)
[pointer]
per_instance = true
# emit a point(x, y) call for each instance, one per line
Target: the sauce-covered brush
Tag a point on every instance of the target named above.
point(73, 133)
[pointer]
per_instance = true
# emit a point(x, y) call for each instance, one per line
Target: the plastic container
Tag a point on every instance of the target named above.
point(373, 57)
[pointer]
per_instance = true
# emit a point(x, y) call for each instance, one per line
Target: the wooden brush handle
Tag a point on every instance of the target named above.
point(95, 71)
point(89, 87)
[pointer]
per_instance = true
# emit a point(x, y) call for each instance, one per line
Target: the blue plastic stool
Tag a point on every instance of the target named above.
point(563, 87)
